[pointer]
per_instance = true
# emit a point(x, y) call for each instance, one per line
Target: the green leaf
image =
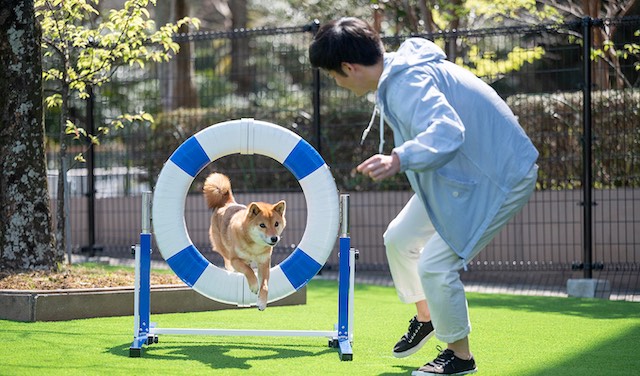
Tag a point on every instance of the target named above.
point(53, 101)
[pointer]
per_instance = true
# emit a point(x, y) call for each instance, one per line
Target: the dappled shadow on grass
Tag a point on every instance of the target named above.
point(227, 355)
point(399, 370)
point(588, 308)
point(615, 356)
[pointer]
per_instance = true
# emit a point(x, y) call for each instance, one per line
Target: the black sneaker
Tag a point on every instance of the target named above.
point(416, 336)
point(447, 364)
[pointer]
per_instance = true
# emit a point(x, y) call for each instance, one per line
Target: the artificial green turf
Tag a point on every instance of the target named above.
point(512, 335)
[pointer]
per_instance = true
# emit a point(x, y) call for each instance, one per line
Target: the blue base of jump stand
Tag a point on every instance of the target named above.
point(344, 300)
point(142, 295)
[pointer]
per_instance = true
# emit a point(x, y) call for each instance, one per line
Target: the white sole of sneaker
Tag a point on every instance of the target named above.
point(414, 349)
point(422, 373)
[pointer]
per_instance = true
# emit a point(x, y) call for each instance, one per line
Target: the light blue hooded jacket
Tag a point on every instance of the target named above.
point(459, 144)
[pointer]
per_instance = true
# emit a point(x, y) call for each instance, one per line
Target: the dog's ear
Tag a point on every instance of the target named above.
point(280, 207)
point(253, 210)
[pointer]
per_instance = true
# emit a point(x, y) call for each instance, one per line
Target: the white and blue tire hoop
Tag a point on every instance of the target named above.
point(246, 136)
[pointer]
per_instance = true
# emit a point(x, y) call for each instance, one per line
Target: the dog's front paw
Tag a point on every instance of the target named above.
point(254, 287)
point(262, 304)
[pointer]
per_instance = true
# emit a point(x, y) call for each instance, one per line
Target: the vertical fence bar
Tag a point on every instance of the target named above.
point(91, 191)
point(316, 109)
point(315, 25)
point(587, 203)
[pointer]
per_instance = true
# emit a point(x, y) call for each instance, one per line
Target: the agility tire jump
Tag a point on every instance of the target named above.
point(245, 136)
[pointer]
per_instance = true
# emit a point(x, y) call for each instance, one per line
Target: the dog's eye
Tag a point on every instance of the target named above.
point(263, 225)
point(276, 224)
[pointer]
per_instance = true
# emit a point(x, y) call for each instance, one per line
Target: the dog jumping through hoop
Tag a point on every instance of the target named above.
point(244, 235)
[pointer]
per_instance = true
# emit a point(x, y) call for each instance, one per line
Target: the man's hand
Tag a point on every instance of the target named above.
point(380, 166)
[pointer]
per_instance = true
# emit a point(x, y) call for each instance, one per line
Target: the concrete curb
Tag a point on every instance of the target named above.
point(589, 288)
point(70, 304)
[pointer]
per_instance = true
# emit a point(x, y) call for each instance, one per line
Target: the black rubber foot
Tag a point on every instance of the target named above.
point(346, 357)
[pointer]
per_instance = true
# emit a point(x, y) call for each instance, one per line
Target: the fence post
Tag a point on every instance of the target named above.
point(587, 183)
point(91, 248)
point(313, 27)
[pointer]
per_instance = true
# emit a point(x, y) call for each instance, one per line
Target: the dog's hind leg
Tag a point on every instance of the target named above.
point(228, 265)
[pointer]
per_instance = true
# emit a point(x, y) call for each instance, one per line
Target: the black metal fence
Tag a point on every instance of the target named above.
point(576, 93)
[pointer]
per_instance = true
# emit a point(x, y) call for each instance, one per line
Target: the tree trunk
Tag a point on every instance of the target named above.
point(176, 76)
point(187, 94)
point(240, 48)
point(427, 15)
point(165, 73)
point(451, 45)
point(25, 228)
point(600, 69)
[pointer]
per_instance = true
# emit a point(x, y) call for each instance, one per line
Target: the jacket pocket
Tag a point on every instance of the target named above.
point(458, 210)
point(455, 188)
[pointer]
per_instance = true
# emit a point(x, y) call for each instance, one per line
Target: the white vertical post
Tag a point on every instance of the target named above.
point(146, 212)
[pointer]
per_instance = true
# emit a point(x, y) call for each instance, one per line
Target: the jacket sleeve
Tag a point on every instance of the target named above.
point(430, 127)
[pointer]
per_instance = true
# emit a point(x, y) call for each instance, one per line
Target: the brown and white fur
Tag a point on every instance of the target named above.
point(244, 235)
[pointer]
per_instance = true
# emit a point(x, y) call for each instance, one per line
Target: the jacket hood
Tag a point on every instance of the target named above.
point(414, 51)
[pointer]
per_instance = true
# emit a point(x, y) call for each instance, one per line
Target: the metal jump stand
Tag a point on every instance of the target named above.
point(146, 332)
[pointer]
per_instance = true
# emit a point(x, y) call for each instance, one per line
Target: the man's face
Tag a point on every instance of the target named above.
point(351, 81)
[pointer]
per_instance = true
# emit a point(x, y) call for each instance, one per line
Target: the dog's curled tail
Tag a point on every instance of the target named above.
point(217, 190)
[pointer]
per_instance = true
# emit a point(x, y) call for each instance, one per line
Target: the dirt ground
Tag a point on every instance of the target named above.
point(77, 277)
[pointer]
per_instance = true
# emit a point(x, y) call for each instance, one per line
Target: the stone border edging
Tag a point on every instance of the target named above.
point(70, 304)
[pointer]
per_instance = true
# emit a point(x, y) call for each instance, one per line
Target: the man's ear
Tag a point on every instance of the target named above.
point(348, 68)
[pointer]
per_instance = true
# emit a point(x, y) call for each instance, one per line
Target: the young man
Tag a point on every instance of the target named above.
point(469, 162)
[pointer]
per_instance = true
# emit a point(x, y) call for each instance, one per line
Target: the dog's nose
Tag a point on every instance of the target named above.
point(274, 239)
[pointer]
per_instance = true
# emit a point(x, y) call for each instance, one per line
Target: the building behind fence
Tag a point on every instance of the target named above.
point(581, 222)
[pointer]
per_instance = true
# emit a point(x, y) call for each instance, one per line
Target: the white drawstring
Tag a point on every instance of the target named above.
point(381, 146)
point(368, 129)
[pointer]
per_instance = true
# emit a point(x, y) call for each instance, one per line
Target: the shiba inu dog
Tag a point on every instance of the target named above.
point(244, 235)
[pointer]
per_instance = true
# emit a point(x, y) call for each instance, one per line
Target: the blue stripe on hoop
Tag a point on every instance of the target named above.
point(190, 157)
point(299, 268)
point(188, 264)
point(303, 160)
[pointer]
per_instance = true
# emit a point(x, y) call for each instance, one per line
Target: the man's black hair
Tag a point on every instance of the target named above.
point(347, 40)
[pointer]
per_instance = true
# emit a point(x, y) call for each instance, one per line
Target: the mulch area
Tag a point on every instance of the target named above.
point(77, 278)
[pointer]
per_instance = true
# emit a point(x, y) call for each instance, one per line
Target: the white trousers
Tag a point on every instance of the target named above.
point(423, 266)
